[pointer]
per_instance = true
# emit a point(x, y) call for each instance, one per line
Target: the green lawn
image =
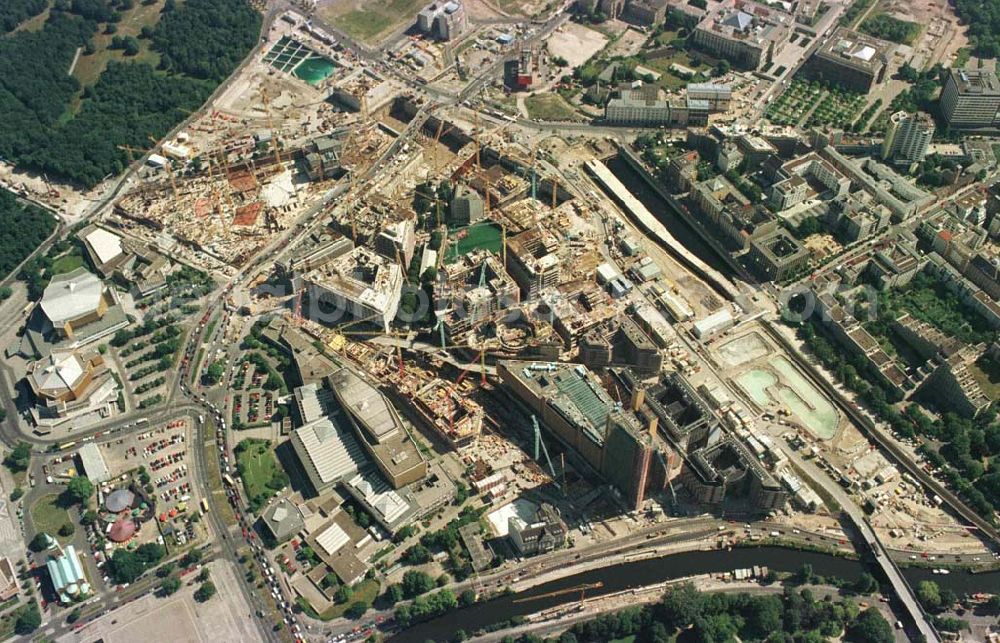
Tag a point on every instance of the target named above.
point(67, 263)
point(257, 465)
point(987, 373)
point(49, 515)
point(377, 18)
point(550, 107)
point(365, 591)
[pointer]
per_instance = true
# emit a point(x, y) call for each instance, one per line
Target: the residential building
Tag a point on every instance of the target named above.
point(907, 137)
point(971, 99)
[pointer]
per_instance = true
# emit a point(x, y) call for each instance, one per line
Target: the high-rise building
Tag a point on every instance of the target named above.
point(443, 20)
point(971, 99)
point(907, 137)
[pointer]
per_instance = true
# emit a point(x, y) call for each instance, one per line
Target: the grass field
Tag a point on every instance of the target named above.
point(49, 515)
point(89, 68)
point(67, 263)
point(257, 465)
point(550, 107)
point(987, 373)
point(376, 18)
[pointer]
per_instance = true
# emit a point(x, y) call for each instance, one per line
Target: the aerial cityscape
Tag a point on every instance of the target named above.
point(500, 320)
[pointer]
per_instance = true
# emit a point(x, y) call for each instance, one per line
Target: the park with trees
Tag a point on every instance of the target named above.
point(55, 124)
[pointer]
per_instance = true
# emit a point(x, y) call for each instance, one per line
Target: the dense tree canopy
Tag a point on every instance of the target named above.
point(13, 12)
point(689, 615)
point(48, 128)
point(983, 19)
point(206, 38)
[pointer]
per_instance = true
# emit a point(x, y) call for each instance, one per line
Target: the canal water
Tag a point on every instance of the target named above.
point(650, 572)
point(677, 226)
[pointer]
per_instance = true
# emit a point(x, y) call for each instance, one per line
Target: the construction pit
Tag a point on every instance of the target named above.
point(238, 176)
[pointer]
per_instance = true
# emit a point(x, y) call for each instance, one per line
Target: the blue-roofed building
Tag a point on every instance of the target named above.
point(67, 575)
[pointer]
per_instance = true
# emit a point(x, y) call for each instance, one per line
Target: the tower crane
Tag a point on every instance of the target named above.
point(270, 124)
point(540, 442)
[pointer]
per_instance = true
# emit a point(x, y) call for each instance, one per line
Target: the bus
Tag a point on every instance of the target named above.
point(204, 505)
point(141, 421)
point(228, 480)
point(67, 445)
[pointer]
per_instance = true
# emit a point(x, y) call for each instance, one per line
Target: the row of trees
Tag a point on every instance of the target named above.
point(126, 566)
point(962, 440)
point(795, 615)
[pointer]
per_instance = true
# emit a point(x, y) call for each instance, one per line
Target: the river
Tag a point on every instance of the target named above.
point(677, 226)
point(652, 571)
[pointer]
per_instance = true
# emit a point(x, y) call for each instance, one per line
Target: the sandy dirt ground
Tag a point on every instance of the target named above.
point(576, 43)
point(628, 44)
point(225, 617)
point(942, 35)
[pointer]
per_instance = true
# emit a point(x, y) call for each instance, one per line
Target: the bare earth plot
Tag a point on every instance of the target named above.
point(222, 618)
point(576, 43)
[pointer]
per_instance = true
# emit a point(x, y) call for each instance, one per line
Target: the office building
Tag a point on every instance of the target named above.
point(907, 137)
point(467, 207)
point(572, 403)
point(546, 531)
point(744, 35)
point(443, 20)
point(520, 72)
point(646, 13)
point(971, 99)
point(644, 106)
point(361, 283)
point(850, 59)
point(776, 255)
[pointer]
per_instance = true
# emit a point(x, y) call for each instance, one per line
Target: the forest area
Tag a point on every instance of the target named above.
point(22, 229)
point(200, 42)
point(14, 12)
point(983, 19)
